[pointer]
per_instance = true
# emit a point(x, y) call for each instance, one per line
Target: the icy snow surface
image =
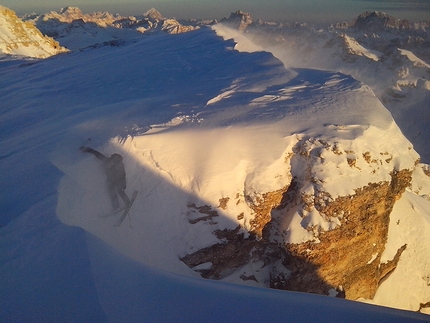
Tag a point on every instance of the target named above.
point(195, 120)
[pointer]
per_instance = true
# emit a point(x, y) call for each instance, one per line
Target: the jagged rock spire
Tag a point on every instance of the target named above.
point(239, 19)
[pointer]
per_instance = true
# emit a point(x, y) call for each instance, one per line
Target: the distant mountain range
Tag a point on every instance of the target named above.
point(76, 30)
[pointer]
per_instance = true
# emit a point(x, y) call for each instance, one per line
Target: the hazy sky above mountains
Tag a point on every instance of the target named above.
point(313, 11)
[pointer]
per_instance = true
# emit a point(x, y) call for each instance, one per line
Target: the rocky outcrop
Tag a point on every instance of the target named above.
point(239, 20)
point(236, 253)
point(343, 237)
point(262, 208)
point(344, 261)
point(347, 257)
point(22, 38)
point(377, 21)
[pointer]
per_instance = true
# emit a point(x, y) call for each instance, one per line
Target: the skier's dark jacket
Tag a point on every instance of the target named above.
point(114, 167)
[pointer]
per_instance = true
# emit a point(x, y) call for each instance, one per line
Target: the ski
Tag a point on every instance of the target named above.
point(127, 209)
point(113, 213)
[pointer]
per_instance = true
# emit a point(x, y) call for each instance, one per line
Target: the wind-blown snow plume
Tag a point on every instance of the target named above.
point(386, 53)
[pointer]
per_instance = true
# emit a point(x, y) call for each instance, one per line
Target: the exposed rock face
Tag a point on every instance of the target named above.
point(70, 13)
point(21, 38)
point(218, 261)
point(377, 21)
point(239, 19)
point(262, 209)
point(342, 238)
point(347, 258)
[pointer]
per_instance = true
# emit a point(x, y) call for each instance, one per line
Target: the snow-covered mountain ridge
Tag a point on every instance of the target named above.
point(377, 21)
point(77, 30)
point(19, 38)
point(248, 172)
point(390, 55)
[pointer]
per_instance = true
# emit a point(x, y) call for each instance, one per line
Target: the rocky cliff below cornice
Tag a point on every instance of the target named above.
point(338, 249)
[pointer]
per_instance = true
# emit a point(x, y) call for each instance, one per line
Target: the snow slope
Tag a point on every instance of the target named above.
point(194, 119)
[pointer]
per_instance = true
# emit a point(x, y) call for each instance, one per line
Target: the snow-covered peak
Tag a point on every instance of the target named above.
point(154, 14)
point(70, 11)
point(417, 62)
point(172, 26)
point(377, 21)
point(70, 14)
point(352, 49)
point(21, 38)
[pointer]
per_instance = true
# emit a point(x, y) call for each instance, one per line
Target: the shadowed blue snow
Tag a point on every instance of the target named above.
point(45, 271)
point(50, 272)
point(130, 292)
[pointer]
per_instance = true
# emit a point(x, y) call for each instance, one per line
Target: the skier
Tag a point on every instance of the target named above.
point(115, 176)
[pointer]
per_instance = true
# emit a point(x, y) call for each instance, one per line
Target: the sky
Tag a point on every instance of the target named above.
point(311, 11)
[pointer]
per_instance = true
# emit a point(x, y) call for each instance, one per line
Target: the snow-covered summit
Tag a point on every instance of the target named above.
point(70, 12)
point(23, 39)
point(377, 21)
point(154, 14)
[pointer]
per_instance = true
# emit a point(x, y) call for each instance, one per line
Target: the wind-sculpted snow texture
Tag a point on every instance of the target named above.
point(388, 54)
point(215, 140)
